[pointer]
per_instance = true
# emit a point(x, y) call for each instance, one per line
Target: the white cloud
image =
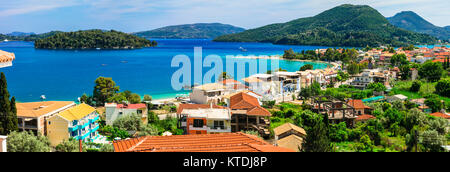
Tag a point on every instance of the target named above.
point(17, 7)
point(244, 13)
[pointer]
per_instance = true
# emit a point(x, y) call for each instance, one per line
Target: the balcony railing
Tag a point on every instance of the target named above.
point(219, 129)
point(191, 127)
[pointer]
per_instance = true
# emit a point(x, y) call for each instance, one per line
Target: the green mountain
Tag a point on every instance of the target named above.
point(191, 31)
point(344, 25)
point(411, 21)
point(21, 33)
point(19, 36)
point(91, 39)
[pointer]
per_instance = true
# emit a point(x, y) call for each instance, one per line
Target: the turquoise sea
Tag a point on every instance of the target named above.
point(67, 74)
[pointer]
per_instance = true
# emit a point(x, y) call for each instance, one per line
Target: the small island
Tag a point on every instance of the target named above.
point(93, 39)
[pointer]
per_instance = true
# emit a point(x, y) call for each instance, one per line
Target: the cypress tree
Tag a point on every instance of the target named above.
point(13, 122)
point(4, 104)
point(8, 115)
point(317, 137)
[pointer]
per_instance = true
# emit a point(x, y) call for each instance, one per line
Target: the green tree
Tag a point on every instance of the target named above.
point(224, 76)
point(70, 145)
point(106, 148)
point(104, 88)
point(353, 68)
point(443, 87)
point(405, 72)
point(147, 97)
point(134, 98)
point(8, 111)
point(376, 86)
point(399, 59)
point(338, 132)
point(432, 141)
point(316, 133)
point(306, 67)
point(431, 71)
point(27, 142)
point(128, 122)
point(365, 144)
point(434, 103)
point(149, 130)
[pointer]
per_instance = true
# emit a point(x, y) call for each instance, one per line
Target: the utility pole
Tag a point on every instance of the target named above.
point(81, 145)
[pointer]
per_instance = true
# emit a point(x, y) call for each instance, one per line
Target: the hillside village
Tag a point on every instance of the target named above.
point(382, 99)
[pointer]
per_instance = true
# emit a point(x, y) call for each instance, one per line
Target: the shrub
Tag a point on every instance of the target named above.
point(27, 142)
point(415, 86)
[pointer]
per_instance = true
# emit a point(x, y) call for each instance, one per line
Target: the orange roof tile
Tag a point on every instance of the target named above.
point(358, 104)
point(37, 109)
point(6, 56)
point(230, 81)
point(439, 60)
point(244, 101)
point(223, 142)
point(440, 114)
point(364, 117)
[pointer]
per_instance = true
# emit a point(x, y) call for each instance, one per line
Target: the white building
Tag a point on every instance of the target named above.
point(207, 93)
point(114, 111)
point(3, 143)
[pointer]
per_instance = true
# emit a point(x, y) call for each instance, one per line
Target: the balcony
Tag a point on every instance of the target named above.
point(218, 129)
point(191, 127)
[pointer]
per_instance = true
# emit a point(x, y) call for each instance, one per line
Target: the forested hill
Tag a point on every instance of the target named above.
point(27, 37)
point(91, 39)
point(191, 31)
point(411, 21)
point(344, 25)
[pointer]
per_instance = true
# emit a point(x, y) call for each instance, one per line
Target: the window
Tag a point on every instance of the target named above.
point(219, 124)
point(198, 123)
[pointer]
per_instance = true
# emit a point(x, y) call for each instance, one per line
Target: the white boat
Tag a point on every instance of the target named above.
point(242, 49)
point(6, 40)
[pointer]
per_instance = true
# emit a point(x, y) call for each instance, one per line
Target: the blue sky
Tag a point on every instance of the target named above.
point(138, 15)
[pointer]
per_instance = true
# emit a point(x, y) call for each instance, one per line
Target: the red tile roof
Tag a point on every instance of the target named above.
point(6, 56)
point(364, 117)
point(132, 106)
point(439, 60)
point(440, 114)
point(358, 104)
point(223, 142)
point(230, 81)
point(244, 101)
point(197, 106)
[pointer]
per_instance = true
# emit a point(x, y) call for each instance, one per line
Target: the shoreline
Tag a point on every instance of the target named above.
point(279, 57)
